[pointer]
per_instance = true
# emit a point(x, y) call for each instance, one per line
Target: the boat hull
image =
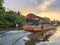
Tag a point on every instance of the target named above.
point(42, 35)
point(28, 28)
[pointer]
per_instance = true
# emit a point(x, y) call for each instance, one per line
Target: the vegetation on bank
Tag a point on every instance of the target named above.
point(9, 18)
point(58, 23)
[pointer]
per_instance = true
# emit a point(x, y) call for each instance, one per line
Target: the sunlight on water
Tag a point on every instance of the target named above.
point(53, 40)
point(56, 37)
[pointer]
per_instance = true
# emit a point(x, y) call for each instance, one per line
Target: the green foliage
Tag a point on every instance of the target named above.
point(46, 18)
point(1, 2)
point(9, 18)
point(58, 23)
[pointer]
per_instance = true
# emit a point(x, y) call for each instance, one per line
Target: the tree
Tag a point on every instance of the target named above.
point(1, 6)
point(18, 13)
point(46, 18)
point(9, 18)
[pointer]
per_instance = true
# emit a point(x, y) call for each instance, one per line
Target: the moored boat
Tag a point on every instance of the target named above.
point(37, 29)
point(37, 24)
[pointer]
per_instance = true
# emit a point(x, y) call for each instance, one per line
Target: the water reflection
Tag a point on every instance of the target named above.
point(24, 38)
point(39, 37)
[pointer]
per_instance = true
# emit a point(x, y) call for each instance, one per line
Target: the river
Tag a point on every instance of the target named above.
point(17, 37)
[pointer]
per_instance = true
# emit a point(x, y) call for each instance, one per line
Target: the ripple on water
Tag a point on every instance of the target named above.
point(11, 36)
point(54, 39)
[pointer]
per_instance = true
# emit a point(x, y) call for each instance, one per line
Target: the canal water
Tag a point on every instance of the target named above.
point(22, 37)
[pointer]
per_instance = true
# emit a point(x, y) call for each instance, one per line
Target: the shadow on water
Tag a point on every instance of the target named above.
point(39, 37)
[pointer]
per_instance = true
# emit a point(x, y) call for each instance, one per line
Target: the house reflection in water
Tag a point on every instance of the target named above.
point(30, 42)
point(35, 38)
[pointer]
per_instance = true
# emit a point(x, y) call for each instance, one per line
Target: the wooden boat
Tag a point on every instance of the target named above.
point(37, 28)
point(36, 24)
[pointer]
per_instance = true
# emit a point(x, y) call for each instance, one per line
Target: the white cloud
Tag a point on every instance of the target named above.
point(34, 1)
point(45, 4)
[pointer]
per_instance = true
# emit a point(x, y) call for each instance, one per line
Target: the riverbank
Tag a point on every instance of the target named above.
point(9, 29)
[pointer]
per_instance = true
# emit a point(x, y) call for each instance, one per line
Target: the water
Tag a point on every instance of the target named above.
point(53, 40)
point(25, 38)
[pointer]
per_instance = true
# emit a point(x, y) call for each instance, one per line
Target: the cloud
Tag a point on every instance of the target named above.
point(45, 4)
point(31, 0)
point(34, 1)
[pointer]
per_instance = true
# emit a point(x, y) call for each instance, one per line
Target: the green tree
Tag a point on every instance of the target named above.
point(9, 18)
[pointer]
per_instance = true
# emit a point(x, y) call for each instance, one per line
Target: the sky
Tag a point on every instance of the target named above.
point(43, 8)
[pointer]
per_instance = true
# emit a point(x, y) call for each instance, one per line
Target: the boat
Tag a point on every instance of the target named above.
point(37, 28)
point(37, 24)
